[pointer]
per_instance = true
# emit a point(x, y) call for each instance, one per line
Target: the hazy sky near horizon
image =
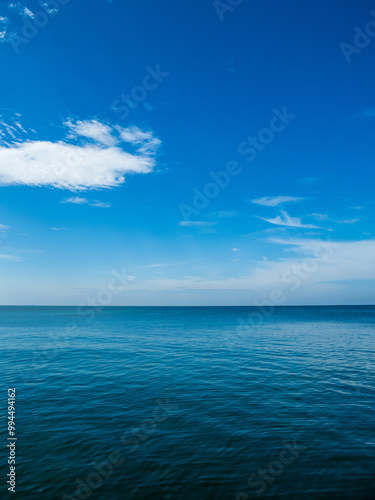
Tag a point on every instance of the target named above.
point(197, 152)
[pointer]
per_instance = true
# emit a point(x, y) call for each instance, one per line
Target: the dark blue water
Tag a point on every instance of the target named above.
point(190, 403)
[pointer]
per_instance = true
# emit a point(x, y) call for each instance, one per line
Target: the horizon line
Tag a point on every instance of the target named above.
point(254, 306)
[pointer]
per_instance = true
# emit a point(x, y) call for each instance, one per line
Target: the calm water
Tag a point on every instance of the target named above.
point(188, 403)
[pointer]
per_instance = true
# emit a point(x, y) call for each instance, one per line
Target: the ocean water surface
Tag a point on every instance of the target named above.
point(185, 403)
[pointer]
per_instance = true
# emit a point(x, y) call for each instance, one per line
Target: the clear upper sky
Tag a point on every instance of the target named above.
point(208, 152)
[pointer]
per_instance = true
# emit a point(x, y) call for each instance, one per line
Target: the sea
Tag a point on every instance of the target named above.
point(188, 403)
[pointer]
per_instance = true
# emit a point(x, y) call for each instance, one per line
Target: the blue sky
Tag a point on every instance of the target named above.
point(216, 154)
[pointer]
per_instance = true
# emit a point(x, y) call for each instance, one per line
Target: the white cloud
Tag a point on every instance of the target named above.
point(46, 7)
point(269, 201)
point(75, 199)
point(319, 216)
point(312, 179)
point(299, 245)
point(21, 9)
point(100, 204)
point(4, 21)
point(9, 257)
point(28, 12)
point(58, 228)
point(98, 132)
point(8, 129)
point(3, 228)
point(195, 223)
point(234, 249)
point(94, 164)
point(84, 201)
point(135, 136)
point(348, 221)
point(337, 262)
point(164, 264)
point(7, 32)
point(20, 127)
point(322, 217)
point(288, 221)
point(11, 133)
